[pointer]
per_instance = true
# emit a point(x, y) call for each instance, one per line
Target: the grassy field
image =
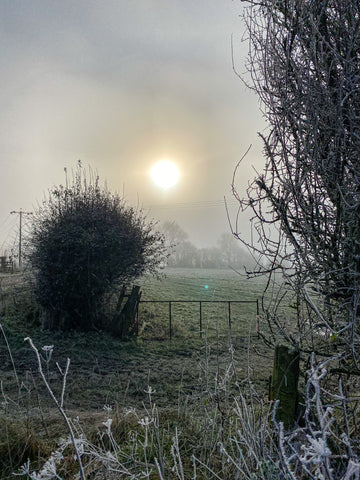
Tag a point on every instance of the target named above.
point(186, 288)
point(185, 371)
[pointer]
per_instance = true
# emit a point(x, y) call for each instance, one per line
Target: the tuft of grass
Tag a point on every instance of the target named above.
point(19, 443)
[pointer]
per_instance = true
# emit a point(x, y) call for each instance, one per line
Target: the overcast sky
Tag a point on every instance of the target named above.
point(121, 84)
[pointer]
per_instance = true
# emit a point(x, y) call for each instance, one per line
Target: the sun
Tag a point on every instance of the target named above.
point(165, 174)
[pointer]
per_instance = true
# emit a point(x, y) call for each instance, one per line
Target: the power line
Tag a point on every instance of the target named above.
point(10, 223)
point(5, 221)
point(198, 204)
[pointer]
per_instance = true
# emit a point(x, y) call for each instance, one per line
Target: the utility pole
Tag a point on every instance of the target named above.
point(20, 213)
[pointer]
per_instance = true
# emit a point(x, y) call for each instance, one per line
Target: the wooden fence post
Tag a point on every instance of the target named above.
point(284, 382)
point(170, 322)
point(125, 321)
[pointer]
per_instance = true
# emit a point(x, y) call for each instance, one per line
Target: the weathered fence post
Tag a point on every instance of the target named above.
point(125, 318)
point(284, 382)
point(120, 299)
point(229, 315)
point(170, 322)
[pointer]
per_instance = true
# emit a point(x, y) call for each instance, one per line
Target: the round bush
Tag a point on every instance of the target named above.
point(85, 242)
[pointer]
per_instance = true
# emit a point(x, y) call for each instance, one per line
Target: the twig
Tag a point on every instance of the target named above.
point(59, 405)
point(11, 357)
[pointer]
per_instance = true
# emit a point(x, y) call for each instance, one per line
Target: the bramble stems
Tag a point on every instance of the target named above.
point(59, 404)
point(10, 355)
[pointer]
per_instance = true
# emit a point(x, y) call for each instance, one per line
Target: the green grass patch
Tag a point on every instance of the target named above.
point(184, 372)
point(187, 318)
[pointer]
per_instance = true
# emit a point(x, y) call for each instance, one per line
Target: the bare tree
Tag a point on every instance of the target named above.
point(304, 62)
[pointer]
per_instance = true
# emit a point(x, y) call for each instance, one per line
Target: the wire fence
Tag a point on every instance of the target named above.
point(172, 318)
point(183, 319)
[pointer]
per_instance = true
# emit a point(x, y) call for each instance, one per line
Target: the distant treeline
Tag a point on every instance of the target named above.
point(182, 253)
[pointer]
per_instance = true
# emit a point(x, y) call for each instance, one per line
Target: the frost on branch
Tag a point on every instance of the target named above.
point(321, 449)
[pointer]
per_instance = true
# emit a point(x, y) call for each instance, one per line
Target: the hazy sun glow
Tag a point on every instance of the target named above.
point(165, 174)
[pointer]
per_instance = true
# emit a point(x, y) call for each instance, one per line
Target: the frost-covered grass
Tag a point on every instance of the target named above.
point(187, 409)
point(191, 438)
point(230, 431)
point(185, 375)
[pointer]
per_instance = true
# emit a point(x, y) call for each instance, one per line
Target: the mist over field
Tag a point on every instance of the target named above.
point(179, 240)
point(122, 85)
